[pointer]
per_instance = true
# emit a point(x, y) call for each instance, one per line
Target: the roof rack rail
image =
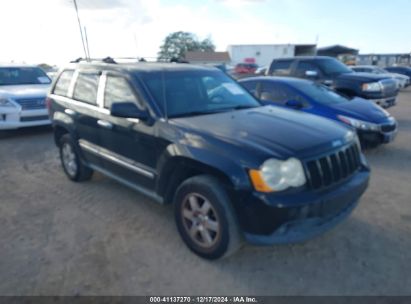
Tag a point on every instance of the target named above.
point(105, 60)
point(115, 60)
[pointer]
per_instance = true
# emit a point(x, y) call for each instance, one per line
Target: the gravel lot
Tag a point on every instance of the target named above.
point(100, 238)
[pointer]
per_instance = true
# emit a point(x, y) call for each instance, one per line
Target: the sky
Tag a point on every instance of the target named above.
point(47, 30)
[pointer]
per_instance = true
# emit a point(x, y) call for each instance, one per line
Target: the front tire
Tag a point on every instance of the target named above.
point(205, 218)
point(71, 162)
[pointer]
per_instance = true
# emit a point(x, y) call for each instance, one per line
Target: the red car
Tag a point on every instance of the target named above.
point(245, 68)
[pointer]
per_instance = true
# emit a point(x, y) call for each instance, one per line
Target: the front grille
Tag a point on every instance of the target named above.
point(34, 118)
point(32, 103)
point(334, 167)
point(388, 127)
point(390, 86)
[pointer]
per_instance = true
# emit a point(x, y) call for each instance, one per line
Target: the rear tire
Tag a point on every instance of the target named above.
point(205, 218)
point(71, 161)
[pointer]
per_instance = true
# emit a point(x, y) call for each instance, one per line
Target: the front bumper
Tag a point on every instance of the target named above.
point(376, 138)
point(296, 217)
point(385, 102)
point(387, 133)
point(11, 118)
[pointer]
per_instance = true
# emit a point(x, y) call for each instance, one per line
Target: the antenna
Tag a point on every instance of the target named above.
point(87, 47)
point(163, 80)
point(79, 24)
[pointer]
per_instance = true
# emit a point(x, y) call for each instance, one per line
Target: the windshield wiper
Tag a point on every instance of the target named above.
point(193, 113)
point(240, 107)
point(220, 110)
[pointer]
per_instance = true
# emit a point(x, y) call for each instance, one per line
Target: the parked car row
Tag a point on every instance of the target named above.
point(267, 160)
point(401, 75)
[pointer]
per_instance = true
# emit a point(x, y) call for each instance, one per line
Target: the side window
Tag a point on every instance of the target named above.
point(251, 86)
point(281, 67)
point(63, 83)
point(279, 94)
point(86, 87)
point(304, 66)
point(118, 90)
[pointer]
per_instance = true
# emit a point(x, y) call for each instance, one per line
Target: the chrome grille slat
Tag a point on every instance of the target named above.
point(32, 103)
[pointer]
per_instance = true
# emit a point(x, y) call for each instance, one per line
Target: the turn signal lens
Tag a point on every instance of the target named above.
point(258, 182)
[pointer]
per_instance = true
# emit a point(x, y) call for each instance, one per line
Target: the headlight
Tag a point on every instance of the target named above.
point(4, 102)
point(372, 87)
point(359, 124)
point(278, 175)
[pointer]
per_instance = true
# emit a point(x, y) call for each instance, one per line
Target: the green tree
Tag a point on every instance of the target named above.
point(176, 45)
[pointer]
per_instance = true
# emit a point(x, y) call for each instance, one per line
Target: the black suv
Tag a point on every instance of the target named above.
point(380, 89)
point(191, 136)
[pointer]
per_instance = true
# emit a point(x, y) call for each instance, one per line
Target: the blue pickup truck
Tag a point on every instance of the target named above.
point(381, 90)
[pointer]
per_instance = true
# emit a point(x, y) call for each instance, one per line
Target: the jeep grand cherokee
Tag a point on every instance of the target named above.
point(191, 136)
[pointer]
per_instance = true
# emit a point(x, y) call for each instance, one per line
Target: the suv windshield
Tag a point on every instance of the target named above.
point(332, 66)
point(320, 93)
point(23, 75)
point(189, 93)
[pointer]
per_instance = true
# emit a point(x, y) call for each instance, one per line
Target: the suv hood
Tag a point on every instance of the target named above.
point(275, 131)
point(362, 109)
point(22, 91)
point(364, 77)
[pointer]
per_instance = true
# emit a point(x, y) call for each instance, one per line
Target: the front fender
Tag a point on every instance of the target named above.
point(205, 160)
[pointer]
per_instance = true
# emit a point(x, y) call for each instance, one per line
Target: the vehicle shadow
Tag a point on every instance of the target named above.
point(364, 255)
point(356, 258)
point(23, 132)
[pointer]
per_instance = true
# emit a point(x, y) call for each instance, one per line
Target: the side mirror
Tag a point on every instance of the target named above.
point(128, 110)
point(295, 104)
point(311, 74)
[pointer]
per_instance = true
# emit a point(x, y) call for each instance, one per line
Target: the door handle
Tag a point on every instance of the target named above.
point(105, 124)
point(69, 112)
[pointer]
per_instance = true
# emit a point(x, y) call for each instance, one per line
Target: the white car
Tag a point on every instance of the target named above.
point(402, 80)
point(23, 91)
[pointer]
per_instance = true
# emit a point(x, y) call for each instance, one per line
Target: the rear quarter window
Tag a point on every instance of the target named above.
point(86, 87)
point(118, 90)
point(63, 83)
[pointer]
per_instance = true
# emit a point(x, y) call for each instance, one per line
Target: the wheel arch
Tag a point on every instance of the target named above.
point(59, 132)
point(179, 168)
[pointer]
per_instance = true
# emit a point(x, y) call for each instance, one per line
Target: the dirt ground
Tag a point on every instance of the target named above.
point(100, 238)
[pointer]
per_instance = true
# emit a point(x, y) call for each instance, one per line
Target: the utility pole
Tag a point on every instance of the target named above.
point(81, 31)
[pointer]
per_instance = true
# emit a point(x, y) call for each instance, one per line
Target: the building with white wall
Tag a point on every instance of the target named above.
point(263, 54)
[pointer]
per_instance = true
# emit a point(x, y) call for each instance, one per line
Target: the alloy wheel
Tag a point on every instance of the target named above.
point(200, 220)
point(69, 159)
